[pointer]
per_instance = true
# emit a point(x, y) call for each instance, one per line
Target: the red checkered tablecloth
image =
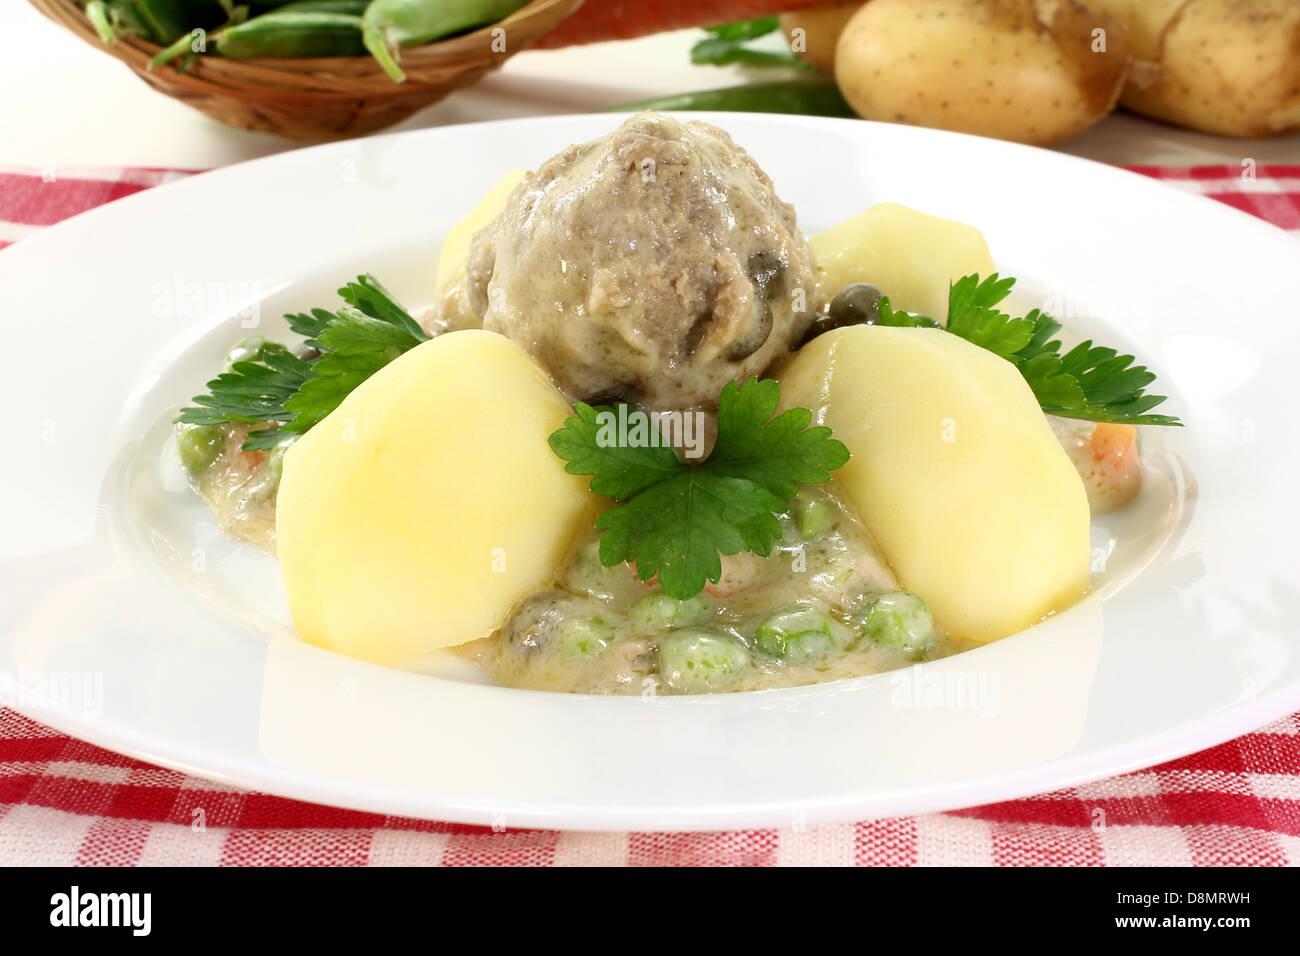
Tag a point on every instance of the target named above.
point(63, 801)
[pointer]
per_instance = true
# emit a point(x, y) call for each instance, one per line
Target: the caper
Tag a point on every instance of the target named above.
point(855, 304)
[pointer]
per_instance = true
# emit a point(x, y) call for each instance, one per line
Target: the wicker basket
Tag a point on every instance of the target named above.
point(323, 97)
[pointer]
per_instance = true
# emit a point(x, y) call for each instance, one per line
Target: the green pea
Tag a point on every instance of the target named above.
point(200, 446)
point(584, 572)
point(796, 635)
point(813, 514)
point(899, 621)
point(390, 24)
point(249, 349)
point(585, 635)
point(660, 612)
point(275, 461)
point(694, 661)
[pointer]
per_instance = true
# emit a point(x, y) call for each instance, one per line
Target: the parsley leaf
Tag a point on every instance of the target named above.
point(368, 296)
point(353, 347)
point(675, 520)
point(250, 391)
point(619, 470)
point(294, 394)
point(1088, 382)
point(310, 325)
point(676, 528)
point(774, 452)
point(973, 314)
point(909, 320)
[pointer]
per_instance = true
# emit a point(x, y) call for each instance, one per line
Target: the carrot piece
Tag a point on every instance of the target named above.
point(1109, 465)
point(601, 20)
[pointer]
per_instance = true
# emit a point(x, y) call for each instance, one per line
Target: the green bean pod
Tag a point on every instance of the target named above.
point(286, 33)
point(168, 20)
point(97, 14)
point(348, 7)
point(125, 18)
point(815, 97)
point(281, 33)
point(154, 20)
point(390, 24)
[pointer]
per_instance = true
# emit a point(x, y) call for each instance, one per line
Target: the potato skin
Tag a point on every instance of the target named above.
point(1230, 67)
point(822, 27)
point(1022, 70)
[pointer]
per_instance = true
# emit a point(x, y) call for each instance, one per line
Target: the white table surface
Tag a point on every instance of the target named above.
point(69, 104)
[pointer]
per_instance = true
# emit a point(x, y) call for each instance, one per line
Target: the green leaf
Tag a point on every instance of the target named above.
point(973, 315)
point(1088, 382)
point(714, 51)
point(355, 342)
point(969, 293)
point(311, 325)
point(619, 471)
point(354, 347)
point(1041, 341)
point(1050, 385)
point(676, 519)
point(262, 439)
point(908, 320)
point(774, 452)
point(368, 296)
point(745, 29)
point(725, 46)
point(250, 391)
point(676, 528)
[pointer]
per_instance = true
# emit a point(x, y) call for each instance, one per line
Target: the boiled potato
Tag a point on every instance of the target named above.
point(813, 33)
point(426, 505)
point(449, 279)
point(1035, 71)
point(954, 470)
point(1230, 67)
point(910, 255)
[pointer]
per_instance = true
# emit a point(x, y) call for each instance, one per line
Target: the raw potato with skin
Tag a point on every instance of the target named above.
point(1022, 70)
point(1230, 67)
point(821, 28)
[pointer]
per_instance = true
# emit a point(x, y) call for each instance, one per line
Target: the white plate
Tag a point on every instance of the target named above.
point(128, 621)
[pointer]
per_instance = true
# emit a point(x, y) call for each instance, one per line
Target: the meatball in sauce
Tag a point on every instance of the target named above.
point(655, 264)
